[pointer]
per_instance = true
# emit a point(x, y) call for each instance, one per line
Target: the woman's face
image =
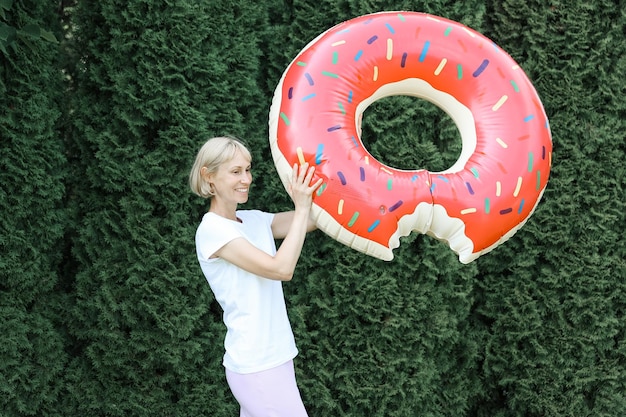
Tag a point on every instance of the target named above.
point(231, 182)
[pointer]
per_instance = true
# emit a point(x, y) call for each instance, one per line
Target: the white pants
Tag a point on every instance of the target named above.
point(271, 393)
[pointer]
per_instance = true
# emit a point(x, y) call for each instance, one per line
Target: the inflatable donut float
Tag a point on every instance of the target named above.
point(476, 204)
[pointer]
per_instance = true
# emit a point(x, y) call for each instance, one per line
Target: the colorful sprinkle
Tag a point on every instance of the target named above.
point(538, 184)
point(401, 17)
point(350, 95)
point(475, 172)
point(521, 206)
point(341, 42)
point(353, 219)
point(448, 30)
point(515, 87)
point(442, 178)
point(441, 65)
point(468, 210)
point(321, 189)
point(340, 207)
point(375, 73)
point(506, 211)
point(403, 60)
point(469, 188)
point(290, 93)
point(390, 28)
point(481, 68)
point(358, 55)
point(285, 119)
point(300, 155)
point(389, 49)
point(500, 102)
point(309, 78)
point(389, 184)
point(362, 170)
point(341, 108)
point(373, 226)
point(424, 51)
point(517, 187)
point(529, 118)
point(372, 40)
point(335, 57)
point(459, 71)
point(502, 143)
point(301, 64)
point(310, 96)
point(487, 205)
point(333, 128)
point(530, 161)
point(385, 170)
point(396, 206)
point(342, 178)
point(319, 153)
point(498, 188)
point(330, 74)
point(462, 45)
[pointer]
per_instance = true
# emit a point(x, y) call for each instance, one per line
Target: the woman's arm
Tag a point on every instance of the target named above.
point(282, 222)
point(281, 266)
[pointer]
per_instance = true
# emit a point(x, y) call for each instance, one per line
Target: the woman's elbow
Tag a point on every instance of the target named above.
point(277, 273)
point(284, 275)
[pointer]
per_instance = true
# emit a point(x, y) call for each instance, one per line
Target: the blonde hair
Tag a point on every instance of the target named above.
point(211, 155)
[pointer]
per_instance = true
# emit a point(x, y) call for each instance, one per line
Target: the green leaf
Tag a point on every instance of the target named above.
point(29, 44)
point(4, 31)
point(7, 33)
point(49, 36)
point(32, 30)
point(5, 5)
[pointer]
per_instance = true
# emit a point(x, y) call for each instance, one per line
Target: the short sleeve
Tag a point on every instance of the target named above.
point(212, 234)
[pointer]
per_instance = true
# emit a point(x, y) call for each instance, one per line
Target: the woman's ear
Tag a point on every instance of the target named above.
point(205, 174)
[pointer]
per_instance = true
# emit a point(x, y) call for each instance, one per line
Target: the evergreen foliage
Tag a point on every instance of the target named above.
point(104, 310)
point(32, 174)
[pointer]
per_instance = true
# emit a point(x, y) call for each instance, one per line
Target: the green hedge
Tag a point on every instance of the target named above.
point(105, 312)
point(34, 220)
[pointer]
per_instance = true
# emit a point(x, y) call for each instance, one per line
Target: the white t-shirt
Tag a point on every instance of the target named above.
point(258, 332)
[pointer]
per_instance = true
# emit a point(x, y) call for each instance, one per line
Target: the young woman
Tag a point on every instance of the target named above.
point(237, 253)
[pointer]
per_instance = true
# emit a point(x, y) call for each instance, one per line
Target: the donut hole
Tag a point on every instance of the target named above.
point(409, 133)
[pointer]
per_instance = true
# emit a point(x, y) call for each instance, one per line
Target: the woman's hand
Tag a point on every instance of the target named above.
point(300, 189)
